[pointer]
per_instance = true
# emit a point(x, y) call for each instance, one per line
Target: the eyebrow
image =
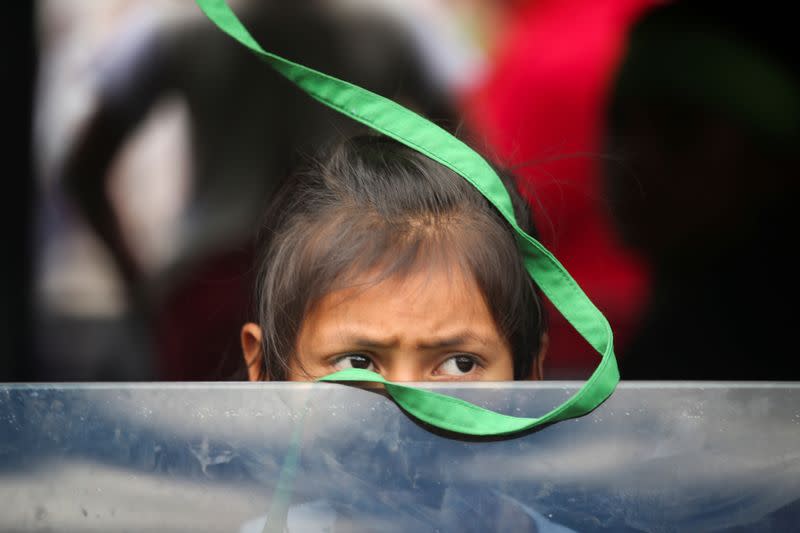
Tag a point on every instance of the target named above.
point(367, 342)
point(436, 344)
point(449, 342)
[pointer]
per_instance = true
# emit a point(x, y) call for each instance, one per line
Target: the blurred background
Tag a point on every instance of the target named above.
point(656, 142)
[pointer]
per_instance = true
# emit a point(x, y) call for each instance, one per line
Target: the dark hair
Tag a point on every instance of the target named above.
point(372, 204)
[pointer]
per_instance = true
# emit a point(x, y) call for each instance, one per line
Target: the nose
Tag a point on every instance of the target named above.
point(404, 369)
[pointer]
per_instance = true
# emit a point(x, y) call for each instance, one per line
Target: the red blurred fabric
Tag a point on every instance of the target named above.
point(540, 112)
point(197, 325)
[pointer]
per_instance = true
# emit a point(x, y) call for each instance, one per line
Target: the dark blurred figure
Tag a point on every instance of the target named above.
point(247, 126)
point(541, 111)
point(706, 112)
point(18, 68)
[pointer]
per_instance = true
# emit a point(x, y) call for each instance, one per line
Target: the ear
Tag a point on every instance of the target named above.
point(251, 349)
point(537, 372)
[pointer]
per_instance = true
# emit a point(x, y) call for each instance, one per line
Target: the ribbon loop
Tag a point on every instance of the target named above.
point(418, 133)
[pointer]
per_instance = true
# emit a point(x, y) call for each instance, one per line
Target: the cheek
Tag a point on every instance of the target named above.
point(303, 364)
point(508, 368)
point(302, 369)
point(500, 368)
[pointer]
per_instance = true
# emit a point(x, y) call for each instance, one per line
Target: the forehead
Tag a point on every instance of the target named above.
point(422, 304)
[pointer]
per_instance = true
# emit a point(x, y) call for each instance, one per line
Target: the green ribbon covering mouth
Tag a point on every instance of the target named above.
point(418, 133)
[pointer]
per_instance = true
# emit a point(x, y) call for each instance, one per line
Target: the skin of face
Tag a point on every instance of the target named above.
point(427, 326)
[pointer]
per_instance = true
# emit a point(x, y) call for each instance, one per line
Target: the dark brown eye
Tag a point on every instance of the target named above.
point(458, 365)
point(354, 361)
point(465, 364)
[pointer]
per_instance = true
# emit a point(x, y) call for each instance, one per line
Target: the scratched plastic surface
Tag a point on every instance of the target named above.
point(301, 457)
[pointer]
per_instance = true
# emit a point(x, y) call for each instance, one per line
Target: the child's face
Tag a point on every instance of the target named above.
point(427, 326)
point(424, 327)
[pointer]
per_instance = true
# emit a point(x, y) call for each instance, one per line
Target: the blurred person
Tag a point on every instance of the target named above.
point(706, 113)
point(540, 112)
point(239, 151)
point(86, 329)
point(450, 36)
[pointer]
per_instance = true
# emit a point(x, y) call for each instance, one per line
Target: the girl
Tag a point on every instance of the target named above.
point(380, 259)
point(377, 257)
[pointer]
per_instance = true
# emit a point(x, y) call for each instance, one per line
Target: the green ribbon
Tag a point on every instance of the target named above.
point(418, 133)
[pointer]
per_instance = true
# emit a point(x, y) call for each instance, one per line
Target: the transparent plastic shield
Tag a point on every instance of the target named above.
point(320, 457)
